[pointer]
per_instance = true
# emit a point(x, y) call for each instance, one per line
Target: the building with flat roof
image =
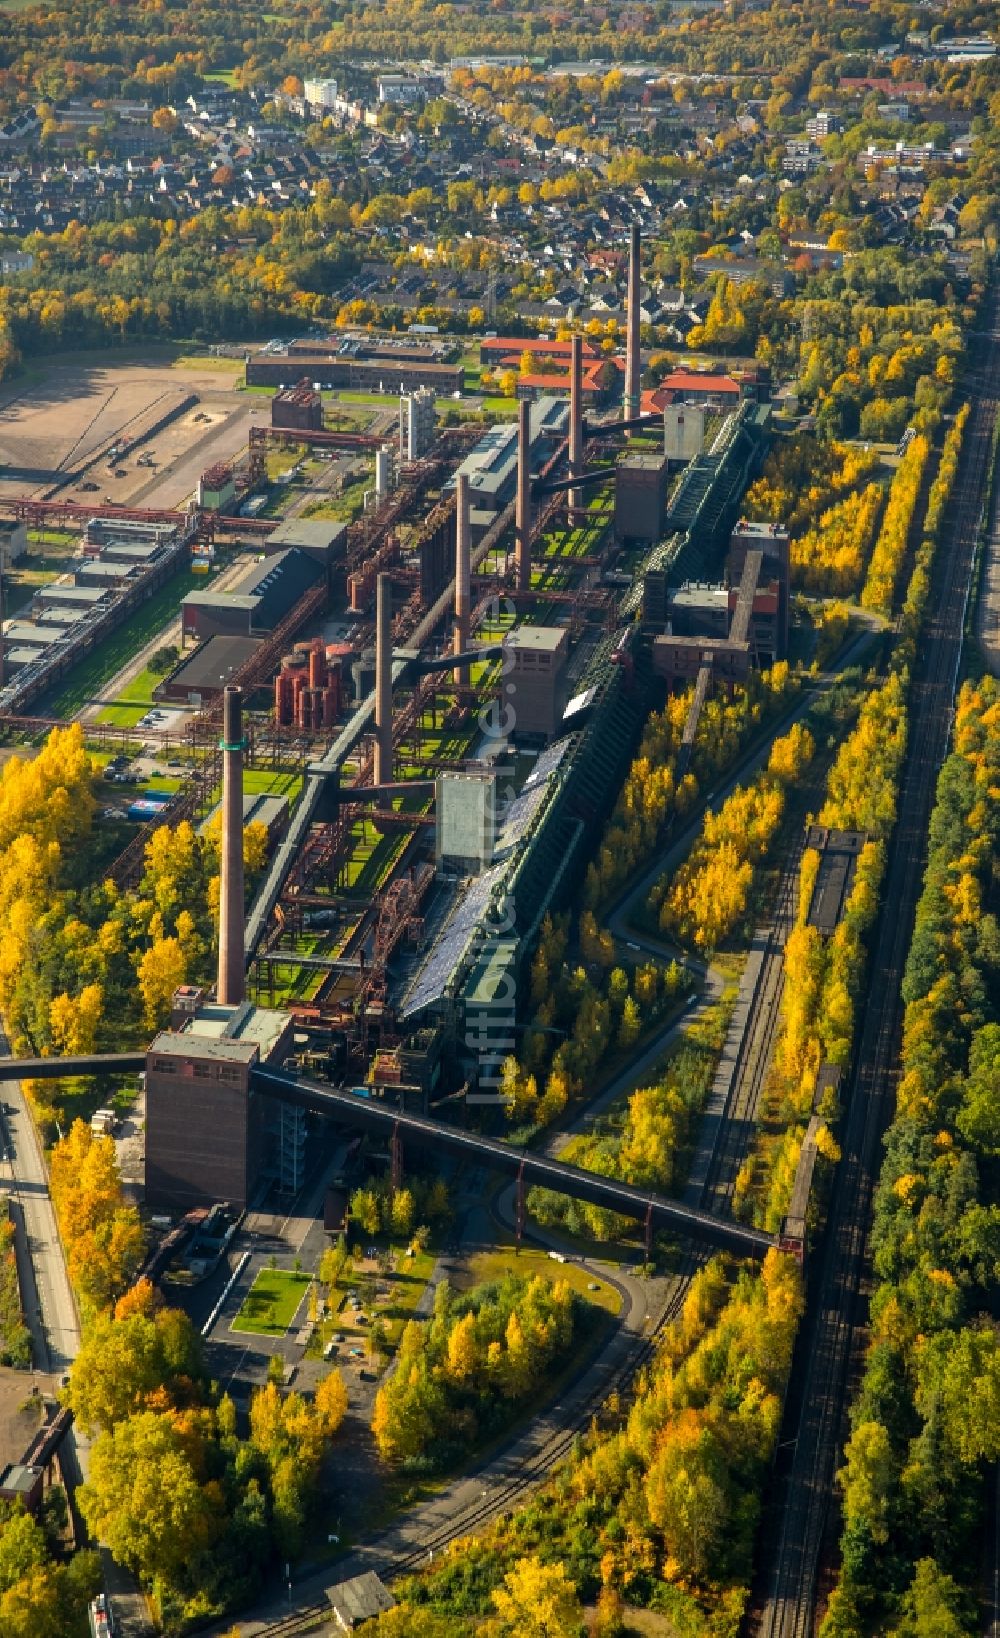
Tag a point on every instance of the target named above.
point(204, 1123)
point(329, 369)
point(417, 423)
point(320, 93)
point(641, 497)
point(324, 539)
point(299, 408)
point(63, 596)
point(536, 682)
point(23, 633)
point(201, 677)
point(97, 572)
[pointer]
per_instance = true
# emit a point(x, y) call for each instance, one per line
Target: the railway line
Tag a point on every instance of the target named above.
point(743, 1106)
point(833, 1336)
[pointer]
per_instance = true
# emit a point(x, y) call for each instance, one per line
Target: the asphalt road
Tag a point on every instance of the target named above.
point(49, 1305)
point(50, 1308)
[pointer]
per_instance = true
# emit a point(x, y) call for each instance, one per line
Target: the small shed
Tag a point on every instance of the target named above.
point(360, 1599)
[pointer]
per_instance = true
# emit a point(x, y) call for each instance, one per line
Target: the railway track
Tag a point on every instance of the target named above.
point(757, 1049)
point(832, 1339)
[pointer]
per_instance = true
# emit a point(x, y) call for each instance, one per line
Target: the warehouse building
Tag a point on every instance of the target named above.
point(323, 539)
point(329, 370)
point(68, 597)
point(201, 678)
point(257, 603)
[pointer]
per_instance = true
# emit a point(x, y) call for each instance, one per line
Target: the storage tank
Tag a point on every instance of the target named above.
point(284, 699)
point(317, 667)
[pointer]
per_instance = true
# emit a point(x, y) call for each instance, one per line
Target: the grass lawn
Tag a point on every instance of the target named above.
point(224, 366)
point(272, 782)
point(104, 664)
point(503, 1260)
point(346, 506)
point(134, 700)
point(222, 76)
point(272, 1302)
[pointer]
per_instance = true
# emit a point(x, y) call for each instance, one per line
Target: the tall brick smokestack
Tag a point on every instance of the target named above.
point(522, 515)
point(463, 572)
point(633, 396)
point(383, 680)
point(576, 501)
point(231, 988)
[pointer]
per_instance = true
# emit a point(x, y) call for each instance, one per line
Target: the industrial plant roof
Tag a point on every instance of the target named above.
point(22, 631)
point(322, 533)
point(279, 582)
point(221, 599)
point(212, 665)
point(490, 464)
point(244, 1023)
point(543, 639)
point(71, 594)
point(239, 1033)
point(473, 925)
point(106, 571)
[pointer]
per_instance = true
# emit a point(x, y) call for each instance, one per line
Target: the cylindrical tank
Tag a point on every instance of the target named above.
point(284, 699)
point(331, 701)
point(317, 668)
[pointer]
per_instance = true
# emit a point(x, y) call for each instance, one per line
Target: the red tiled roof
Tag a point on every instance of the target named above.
point(550, 349)
point(692, 381)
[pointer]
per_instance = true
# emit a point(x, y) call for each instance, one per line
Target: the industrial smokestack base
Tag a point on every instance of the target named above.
point(383, 680)
point(231, 987)
point(633, 394)
point(575, 500)
point(522, 514)
point(463, 574)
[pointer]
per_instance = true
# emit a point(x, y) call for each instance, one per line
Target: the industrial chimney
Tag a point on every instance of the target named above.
point(522, 515)
point(633, 397)
point(383, 680)
point(575, 424)
point(463, 571)
point(231, 988)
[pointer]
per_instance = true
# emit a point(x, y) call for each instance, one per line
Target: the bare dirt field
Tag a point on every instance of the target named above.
point(68, 416)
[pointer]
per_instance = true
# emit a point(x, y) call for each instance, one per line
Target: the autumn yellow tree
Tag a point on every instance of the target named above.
point(162, 970)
